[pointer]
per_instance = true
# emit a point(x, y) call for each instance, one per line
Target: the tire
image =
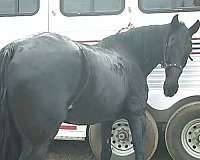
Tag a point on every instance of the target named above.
point(182, 134)
point(122, 147)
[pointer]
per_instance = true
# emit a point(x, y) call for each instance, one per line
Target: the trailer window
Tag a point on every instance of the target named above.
point(18, 7)
point(152, 6)
point(91, 7)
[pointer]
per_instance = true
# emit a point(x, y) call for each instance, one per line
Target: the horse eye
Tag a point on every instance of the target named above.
point(188, 49)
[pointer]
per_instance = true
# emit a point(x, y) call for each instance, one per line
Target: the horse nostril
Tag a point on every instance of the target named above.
point(170, 88)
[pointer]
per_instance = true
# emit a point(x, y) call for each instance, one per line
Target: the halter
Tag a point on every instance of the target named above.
point(166, 65)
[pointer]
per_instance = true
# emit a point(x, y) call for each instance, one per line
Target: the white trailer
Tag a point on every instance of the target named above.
point(88, 21)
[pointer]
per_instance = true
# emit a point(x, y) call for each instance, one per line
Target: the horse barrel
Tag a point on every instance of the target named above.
point(121, 140)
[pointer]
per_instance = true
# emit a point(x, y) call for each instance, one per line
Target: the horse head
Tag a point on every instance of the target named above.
point(177, 50)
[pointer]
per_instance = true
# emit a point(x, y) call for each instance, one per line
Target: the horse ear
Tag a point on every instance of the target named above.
point(194, 28)
point(175, 21)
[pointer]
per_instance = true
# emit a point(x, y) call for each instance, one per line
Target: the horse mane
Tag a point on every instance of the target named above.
point(140, 43)
point(136, 35)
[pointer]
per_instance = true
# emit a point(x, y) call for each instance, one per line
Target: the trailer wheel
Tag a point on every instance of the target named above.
point(182, 134)
point(121, 140)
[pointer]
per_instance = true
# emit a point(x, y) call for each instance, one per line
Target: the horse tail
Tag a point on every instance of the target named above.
point(10, 141)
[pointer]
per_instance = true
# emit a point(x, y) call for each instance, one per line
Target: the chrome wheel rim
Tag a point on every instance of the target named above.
point(121, 139)
point(190, 138)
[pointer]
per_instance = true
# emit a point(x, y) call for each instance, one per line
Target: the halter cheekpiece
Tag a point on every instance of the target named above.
point(166, 65)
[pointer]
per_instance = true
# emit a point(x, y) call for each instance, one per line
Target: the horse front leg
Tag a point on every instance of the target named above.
point(137, 123)
point(137, 126)
point(106, 151)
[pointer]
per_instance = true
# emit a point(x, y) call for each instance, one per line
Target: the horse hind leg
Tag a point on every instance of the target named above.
point(34, 152)
point(36, 144)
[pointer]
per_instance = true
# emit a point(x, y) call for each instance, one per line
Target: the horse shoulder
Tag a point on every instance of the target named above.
point(138, 84)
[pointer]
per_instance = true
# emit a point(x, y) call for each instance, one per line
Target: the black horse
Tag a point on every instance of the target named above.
point(48, 79)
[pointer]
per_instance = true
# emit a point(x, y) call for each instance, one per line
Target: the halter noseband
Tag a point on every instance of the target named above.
point(166, 65)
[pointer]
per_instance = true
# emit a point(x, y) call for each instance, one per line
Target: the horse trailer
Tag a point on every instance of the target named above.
point(90, 21)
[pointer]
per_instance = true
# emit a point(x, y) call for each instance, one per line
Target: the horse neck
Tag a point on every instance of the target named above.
point(148, 47)
point(145, 45)
point(152, 47)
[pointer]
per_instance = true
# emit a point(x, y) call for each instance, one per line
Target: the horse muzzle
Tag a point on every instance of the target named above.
point(170, 89)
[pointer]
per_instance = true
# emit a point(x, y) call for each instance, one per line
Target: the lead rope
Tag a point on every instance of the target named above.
point(124, 29)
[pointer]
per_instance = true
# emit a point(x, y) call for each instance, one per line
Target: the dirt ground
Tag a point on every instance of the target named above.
point(70, 150)
point(76, 150)
point(80, 150)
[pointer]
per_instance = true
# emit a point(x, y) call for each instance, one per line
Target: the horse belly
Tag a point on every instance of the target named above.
point(92, 111)
point(101, 101)
point(110, 81)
